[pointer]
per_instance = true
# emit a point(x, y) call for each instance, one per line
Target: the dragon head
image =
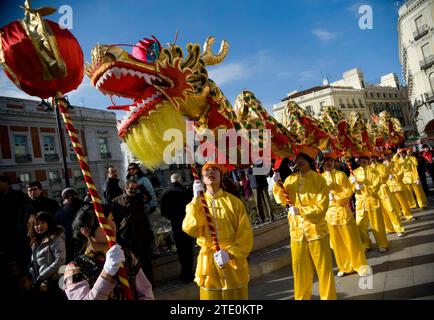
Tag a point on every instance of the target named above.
point(164, 85)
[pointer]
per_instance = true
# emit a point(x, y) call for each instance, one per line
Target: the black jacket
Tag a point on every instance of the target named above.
point(111, 190)
point(66, 214)
point(173, 202)
point(132, 224)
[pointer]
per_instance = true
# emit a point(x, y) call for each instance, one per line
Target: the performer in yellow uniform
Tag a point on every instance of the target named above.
point(367, 182)
point(310, 242)
point(416, 186)
point(344, 235)
point(222, 275)
point(389, 204)
point(396, 186)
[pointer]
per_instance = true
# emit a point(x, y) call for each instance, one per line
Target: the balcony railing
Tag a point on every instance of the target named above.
point(106, 155)
point(23, 158)
point(51, 157)
point(54, 181)
point(419, 33)
point(78, 180)
point(427, 62)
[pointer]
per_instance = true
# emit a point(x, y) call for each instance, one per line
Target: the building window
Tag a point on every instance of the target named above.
point(20, 145)
point(360, 103)
point(25, 178)
point(308, 109)
point(431, 80)
point(426, 51)
point(354, 103)
point(372, 94)
point(21, 149)
point(104, 149)
point(396, 95)
point(419, 22)
point(78, 176)
point(378, 95)
point(49, 146)
point(321, 105)
point(54, 177)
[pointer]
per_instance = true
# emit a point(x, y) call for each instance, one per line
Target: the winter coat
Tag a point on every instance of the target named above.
point(132, 224)
point(111, 189)
point(174, 201)
point(48, 257)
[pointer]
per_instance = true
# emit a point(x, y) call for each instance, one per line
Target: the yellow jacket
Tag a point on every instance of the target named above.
point(410, 170)
point(234, 234)
point(397, 172)
point(367, 198)
point(384, 173)
point(311, 196)
point(339, 212)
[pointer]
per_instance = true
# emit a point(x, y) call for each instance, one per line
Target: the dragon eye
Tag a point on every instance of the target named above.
point(153, 52)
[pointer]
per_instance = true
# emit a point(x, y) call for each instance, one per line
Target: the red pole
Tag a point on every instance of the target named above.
point(208, 216)
point(96, 199)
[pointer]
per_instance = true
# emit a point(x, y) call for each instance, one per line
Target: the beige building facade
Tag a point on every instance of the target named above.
point(416, 54)
point(351, 93)
point(30, 147)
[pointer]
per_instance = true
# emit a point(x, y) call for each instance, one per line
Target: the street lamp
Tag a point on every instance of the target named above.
point(47, 107)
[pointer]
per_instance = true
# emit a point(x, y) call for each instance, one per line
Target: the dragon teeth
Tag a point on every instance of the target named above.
point(117, 73)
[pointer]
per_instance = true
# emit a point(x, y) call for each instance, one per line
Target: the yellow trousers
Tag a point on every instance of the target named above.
point(375, 218)
point(410, 197)
point(307, 256)
point(401, 197)
point(391, 214)
point(232, 294)
point(348, 248)
point(387, 223)
point(419, 193)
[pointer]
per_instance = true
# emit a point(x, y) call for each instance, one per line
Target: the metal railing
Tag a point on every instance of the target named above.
point(54, 181)
point(51, 157)
point(427, 62)
point(106, 155)
point(420, 32)
point(22, 158)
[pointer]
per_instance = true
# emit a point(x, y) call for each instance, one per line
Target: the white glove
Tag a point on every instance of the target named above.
point(113, 259)
point(197, 188)
point(293, 211)
point(358, 187)
point(353, 179)
point(390, 177)
point(221, 258)
point(331, 196)
point(276, 177)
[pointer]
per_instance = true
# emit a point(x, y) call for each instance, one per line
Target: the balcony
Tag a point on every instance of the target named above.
point(426, 63)
point(419, 33)
point(23, 158)
point(106, 156)
point(54, 181)
point(51, 157)
point(78, 180)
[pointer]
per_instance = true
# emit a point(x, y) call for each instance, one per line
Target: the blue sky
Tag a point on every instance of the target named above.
point(275, 46)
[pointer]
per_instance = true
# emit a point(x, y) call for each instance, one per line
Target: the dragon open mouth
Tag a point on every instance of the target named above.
point(127, 82)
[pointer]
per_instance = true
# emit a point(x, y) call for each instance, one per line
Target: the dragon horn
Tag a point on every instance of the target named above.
point(210, 58)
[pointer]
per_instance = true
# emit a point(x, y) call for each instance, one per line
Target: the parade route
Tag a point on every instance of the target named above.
point(405, 272)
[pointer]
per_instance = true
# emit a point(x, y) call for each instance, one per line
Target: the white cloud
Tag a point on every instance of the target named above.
point(323, 34)
point(8, 88)
point(307, 75)
point(228, 73)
